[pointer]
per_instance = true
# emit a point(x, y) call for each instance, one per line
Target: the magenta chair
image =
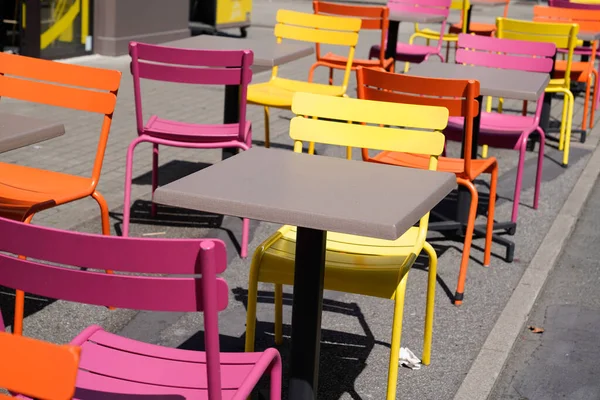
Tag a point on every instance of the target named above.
point(507, 131)
point(582, 51)
point(200, 67)
point(112, 365)
point(416, 53)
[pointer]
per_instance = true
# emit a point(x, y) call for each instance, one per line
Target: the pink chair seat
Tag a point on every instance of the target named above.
point(188, 132)
point(496, 130)
point(114, 364)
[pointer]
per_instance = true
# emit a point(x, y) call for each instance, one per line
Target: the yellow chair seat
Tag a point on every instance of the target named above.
point(278, 92)
point(433, 35)
point(556, 83)
point(353, 264)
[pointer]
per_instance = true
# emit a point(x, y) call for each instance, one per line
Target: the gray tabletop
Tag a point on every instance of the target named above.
point(488, 3)
point(319, 192)
point(403, 16)
point(266, 55)
point(19, 131)
point(588, 36)
point(508, 83)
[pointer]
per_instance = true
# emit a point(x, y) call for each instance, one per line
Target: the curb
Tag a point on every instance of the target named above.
point(487, 366)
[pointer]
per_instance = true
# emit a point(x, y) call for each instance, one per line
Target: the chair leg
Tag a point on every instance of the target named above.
point(563, 123)
point(103, 212)
point(154, 177)
point(252, 299)
point(489, 232)
point(593, 100)
point(278, 314)
point(448, 50)
point(20, 299)
point(464, 264)
point(396, 338)
point(330, 76)
point(596, 94)
point(128, 178)
point(538, 175)
point(484, 151)
point(586, 102)
point(311, 71)
point(406, 67)
point(567, 142)
point(245, 234)
point(267, 128)
point(431, 282)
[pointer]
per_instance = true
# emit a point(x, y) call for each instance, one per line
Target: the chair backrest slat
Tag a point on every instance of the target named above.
point(505, 53)
point(373, 17)
point(38, 369)
point(568, 4)
point(458, 96)
point(420, 132)
point(320, 36)
point(197, 76)
point(432, 7)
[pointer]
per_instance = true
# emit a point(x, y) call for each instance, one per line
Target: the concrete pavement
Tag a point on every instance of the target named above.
point(356, 329)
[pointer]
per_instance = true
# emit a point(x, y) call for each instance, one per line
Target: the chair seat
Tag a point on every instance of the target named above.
point(435, 35)
point(341, 61)
point(496, 130)
point(446, 164)
point(353, 264)
point(111, 364)
point(187, 132)
point(580, 71)
point(25, 189)
point(278, 92)
point(478, 28)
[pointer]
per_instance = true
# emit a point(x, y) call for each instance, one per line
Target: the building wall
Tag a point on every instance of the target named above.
point(117, 22)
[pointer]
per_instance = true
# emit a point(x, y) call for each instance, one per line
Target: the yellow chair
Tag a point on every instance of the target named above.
point(430, 34)
point(564, 36)
point(357, 264)
point(318, 29)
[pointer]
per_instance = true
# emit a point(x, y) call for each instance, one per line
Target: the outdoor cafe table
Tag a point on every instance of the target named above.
point(495, 82)
point(317, 194)
point(266, 56)
point(20, 131)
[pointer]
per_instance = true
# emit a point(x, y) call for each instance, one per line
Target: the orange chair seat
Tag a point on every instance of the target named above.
point(580, 71)
point(340, 61)
point(479, 28)
point(24, 190)
point(445, 164)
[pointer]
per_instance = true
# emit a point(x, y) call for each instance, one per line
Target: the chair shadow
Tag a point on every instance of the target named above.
point(343, 355)
point(33, 304)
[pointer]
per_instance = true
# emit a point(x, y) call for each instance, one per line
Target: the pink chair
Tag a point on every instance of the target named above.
point(114, 365)
point(582, 50)
point(204, 67)
point(416, 53)
point(507, 131)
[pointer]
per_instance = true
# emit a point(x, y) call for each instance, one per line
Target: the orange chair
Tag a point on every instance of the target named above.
point(373, 18)
point(479, 28)
point(581, 71)
point(38, 369)
point(25, 191)
point(460, 98)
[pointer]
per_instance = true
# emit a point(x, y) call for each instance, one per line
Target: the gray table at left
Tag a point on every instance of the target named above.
point(266, 56)
point(20, 131)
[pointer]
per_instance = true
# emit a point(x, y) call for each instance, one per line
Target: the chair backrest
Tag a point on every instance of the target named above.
point(38, 369)
point(519, 55)
point(319, 29)
point(569, 4)
point(148, 284)
point(431, 7)
point(562, 35)
point(373, 18)
point(348, 122)
point(191, 66)
point(63, 85)
point(457, 95)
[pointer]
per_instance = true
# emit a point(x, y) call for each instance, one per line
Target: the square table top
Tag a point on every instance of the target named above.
point(266, 55)
point(508, 83)
point(19, 131)
point(311, 191)
point(588, 35)
point(420, 18)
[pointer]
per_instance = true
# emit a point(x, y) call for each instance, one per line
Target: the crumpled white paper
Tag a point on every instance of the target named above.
point(408, 359)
